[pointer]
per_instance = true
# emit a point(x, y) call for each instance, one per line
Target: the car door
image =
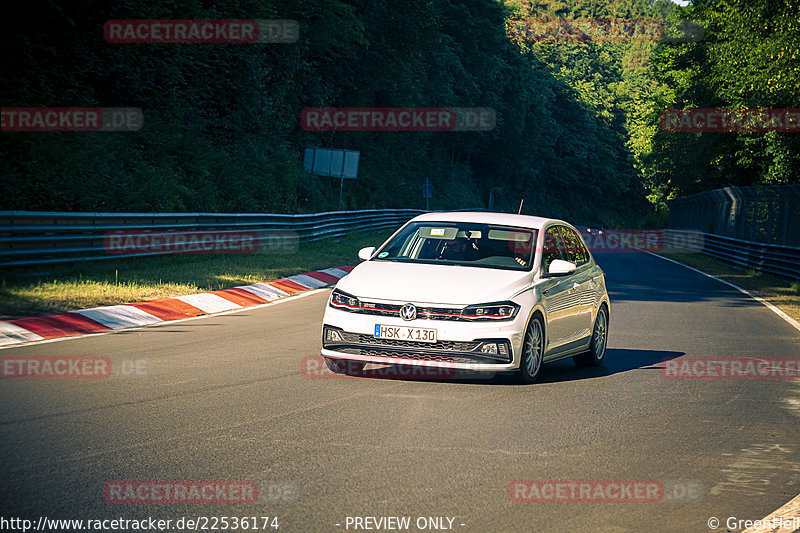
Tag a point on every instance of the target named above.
point(560, 299)
point(583, 283)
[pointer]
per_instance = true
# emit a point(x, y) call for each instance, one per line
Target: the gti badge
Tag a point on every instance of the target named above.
point(408, 312)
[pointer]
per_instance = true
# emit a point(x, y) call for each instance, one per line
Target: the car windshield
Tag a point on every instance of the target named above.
point(463, 244)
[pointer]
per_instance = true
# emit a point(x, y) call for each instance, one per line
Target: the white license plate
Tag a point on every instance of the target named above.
point(404, 333)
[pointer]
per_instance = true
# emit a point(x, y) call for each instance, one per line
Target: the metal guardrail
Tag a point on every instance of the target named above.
point(36, 238)
point(769, 214)
point(771, 258)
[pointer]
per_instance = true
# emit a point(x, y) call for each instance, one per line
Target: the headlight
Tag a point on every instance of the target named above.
point(342, 300)
point(494, 311)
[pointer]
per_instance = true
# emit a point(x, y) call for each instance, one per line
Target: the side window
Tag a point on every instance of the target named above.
point(574, 250)
point(584, 253)
point(551, 247)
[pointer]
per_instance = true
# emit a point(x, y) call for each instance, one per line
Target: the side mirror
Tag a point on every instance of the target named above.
point(366, 253)
point(560, 267)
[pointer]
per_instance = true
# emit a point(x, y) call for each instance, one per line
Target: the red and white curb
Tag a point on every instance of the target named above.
point(104, 319)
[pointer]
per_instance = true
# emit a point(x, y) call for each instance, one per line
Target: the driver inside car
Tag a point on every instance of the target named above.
point(460, 249)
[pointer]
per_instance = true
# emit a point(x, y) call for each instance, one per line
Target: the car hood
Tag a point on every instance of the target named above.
point(432, 284)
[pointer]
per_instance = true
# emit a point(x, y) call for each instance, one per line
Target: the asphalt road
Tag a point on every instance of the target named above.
point(231, 398)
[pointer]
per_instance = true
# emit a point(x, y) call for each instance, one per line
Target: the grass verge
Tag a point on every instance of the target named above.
point(52, 289)
point(781, 292)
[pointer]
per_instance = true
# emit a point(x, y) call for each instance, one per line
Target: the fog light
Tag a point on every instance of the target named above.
point(489, 347)
point(333, 335)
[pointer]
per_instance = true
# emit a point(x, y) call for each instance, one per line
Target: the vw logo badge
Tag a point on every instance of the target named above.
point(408, 312)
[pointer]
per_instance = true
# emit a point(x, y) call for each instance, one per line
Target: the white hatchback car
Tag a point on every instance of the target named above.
point(471, 291)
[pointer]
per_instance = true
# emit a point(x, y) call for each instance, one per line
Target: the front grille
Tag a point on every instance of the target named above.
point(425, 313)
point(379, 309)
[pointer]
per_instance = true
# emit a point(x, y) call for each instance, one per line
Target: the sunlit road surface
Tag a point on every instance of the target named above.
point(232, 398)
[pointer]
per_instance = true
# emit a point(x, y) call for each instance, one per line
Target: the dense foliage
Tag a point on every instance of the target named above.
point(749, 58)
point(576, 136)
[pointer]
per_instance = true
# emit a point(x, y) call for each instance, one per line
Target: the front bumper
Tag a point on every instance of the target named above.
point(459, 346)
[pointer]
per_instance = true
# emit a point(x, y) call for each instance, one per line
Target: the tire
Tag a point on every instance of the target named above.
point(343, 366)
point(597, 347)
point(532, 351)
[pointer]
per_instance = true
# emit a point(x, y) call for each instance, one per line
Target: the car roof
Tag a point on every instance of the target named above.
point(503, 219)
